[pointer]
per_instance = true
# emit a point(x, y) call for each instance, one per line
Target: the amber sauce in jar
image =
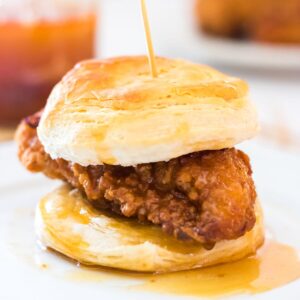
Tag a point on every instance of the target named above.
point(35, 55)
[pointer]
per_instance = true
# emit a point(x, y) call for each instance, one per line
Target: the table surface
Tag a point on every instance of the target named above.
point(6, 134)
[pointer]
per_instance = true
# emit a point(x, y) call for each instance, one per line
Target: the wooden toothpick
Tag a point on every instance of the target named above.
point(151, 56)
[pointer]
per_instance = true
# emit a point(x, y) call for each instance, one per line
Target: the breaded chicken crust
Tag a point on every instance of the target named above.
point(206, 196)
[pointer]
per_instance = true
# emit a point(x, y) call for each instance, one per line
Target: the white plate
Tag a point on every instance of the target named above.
point(27, 272)
point(245, 53)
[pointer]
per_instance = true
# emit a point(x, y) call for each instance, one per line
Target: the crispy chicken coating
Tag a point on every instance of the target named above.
point(205, 196)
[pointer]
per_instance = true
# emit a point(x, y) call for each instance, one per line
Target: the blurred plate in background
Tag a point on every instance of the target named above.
point(244, 53)
point(175, 33)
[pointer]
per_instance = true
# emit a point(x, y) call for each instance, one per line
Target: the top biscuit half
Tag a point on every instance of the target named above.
point(113, 112)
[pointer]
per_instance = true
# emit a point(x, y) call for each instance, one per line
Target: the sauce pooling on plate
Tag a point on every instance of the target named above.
point(273, 266)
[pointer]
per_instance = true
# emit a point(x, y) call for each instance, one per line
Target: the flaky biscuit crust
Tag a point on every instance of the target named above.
point(111, 111)
point(66, 223)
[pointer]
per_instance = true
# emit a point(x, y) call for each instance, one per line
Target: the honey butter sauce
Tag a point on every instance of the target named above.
point(273, 266)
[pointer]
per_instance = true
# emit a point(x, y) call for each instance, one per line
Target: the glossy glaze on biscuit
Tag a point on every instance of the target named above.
point(112, 111)
point(65, 222)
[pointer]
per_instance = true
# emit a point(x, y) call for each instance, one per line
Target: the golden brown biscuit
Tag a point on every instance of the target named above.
point(111, 111)
point(65, 222)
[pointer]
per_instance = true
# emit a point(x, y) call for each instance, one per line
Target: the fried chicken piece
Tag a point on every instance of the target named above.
point(275, 21)
point(205, 196)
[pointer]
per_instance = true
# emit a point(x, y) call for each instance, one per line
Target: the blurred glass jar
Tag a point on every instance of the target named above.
point(40, 40)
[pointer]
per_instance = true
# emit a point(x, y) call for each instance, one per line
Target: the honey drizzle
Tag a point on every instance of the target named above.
point(273, 266)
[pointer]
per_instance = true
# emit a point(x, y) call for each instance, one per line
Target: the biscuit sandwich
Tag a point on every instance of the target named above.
point(151, 179)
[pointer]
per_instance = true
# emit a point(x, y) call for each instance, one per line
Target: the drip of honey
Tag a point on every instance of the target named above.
point(273, 266)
